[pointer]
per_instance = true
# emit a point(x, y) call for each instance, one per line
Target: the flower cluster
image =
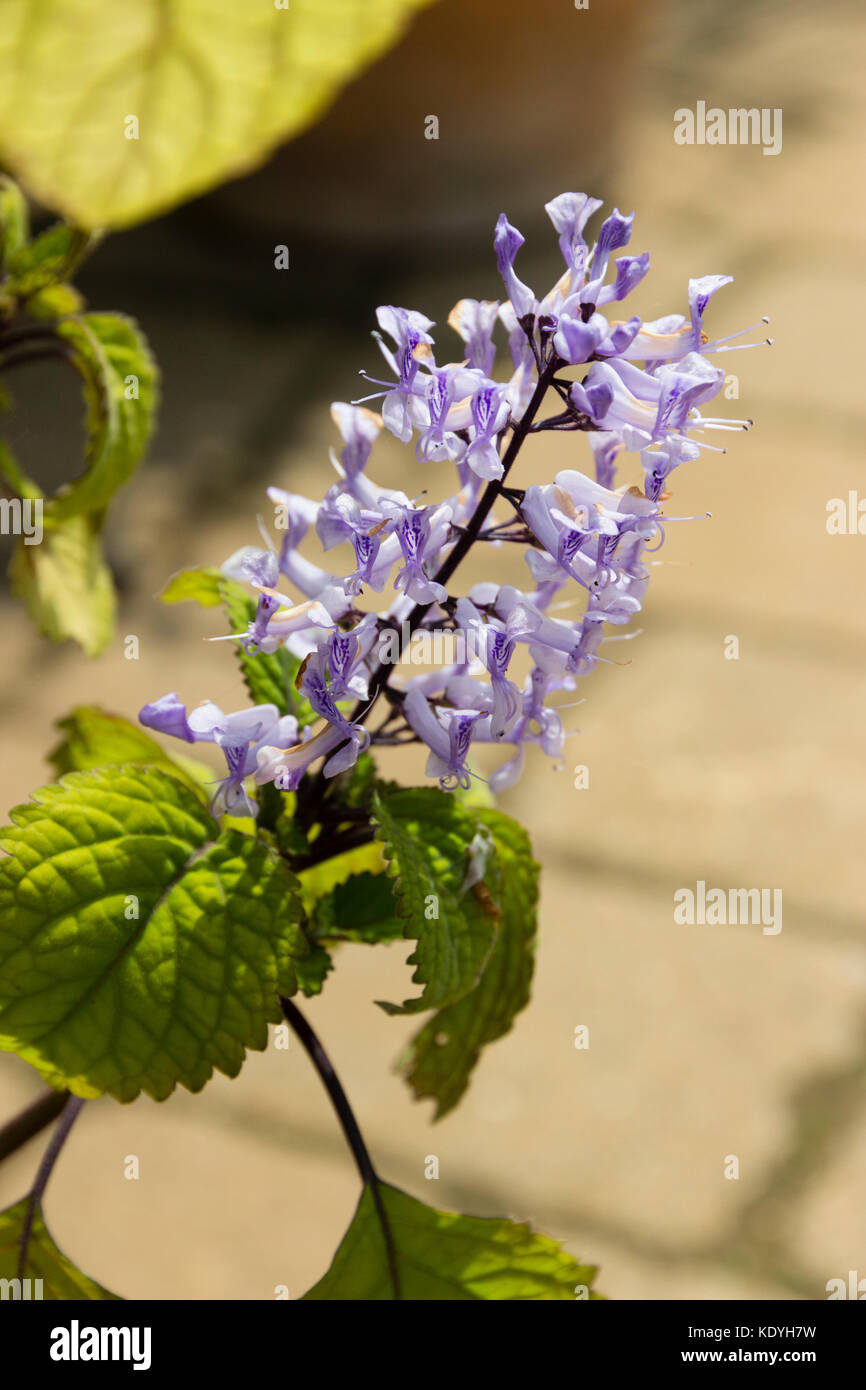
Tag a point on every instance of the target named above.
point(627, 385)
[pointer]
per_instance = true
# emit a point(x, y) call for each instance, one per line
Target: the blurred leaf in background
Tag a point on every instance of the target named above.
point(62, 576)
point(112, 113)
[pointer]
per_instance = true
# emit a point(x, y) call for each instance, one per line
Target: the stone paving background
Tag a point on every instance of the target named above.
point(704, 1041)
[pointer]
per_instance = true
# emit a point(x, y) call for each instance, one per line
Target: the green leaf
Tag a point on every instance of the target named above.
point(321, 879)
point(442, 1256)
point(428, 838)
point(67, 585)
point(60, 1278)
point(14, 219)
point(54, 302)
point(440, 1058)
point(313, 969)
point(213, 88)
point(359, 909)
point(139, 946)
point(120, 393)
point(268, 676)
point(48, 260)
point(277, 816)
point(200, 585)
point(94, 738)
point(342, 906)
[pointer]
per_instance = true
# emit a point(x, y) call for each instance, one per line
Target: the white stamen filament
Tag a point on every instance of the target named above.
point(729, 338)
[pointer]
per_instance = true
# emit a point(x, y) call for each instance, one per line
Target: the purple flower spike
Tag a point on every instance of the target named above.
point(612, 387)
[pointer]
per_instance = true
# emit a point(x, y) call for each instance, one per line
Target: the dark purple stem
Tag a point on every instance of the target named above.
point(331, 1082)
point(23, 1127)
point(309, 801)
point(68, 1115)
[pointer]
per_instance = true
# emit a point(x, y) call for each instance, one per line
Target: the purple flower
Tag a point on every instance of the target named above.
point(286, 766)
point(447, 733)
point(551, 642)
point(370, 532)
point(658, 463)
point(537, 724)
point(701, 291)
point(329, 674)
point(651, 405)
point(240, 736)
point(606, 445)
point(408, 329)
point(253, 566)
point(671, 337)
point(278, 620)
point(475, 321)
point(257, 637)
point(421, 532)
point(315, 684)
point(507, 241)
point(569, 214)
point(493, 642)
point(579, 524)
point(360, 429)
point(577, 339)
point(630, 270)
point(490, 412)
point(615, 233)
point(447, 388)
point(167, 716)
point(681, 389)
point(337, 669)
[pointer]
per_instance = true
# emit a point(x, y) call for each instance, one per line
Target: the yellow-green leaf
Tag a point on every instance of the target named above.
point(48, 260)
point(94, 738)
point(120, 393)
point(441, 1256)
point(67, 585)
point(50, 1274)
point(200, 585)
point(112, 112)
point(14, 219)
point(140, 946)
